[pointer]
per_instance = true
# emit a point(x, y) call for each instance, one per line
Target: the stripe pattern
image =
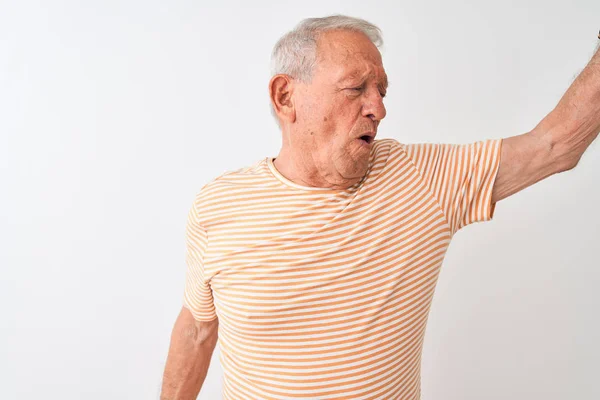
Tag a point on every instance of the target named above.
point(324, 293)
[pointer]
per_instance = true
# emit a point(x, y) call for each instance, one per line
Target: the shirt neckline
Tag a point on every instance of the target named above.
point(287, 182)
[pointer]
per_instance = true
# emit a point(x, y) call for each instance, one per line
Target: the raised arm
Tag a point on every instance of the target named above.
point(557, 143)
point(192, 345)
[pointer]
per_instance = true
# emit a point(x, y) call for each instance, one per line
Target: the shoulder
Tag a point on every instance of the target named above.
point(229, 186)
point(386, 144)
point(385, 149)
point(393, 146)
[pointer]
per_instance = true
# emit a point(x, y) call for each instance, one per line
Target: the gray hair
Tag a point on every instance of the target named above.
point(295, 54)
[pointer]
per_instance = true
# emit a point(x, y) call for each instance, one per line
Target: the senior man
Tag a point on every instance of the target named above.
point(315, 269)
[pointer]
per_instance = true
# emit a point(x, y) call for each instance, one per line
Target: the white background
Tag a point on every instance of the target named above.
point(113, 114)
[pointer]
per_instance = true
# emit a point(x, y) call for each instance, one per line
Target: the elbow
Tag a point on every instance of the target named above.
point(569, 149)
point(201, 333)
point(570, 164)
point(563, 155)
point(566, 159)
point(195, 332)
point(564, 143)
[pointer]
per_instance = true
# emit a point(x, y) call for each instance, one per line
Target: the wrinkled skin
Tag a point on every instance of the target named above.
point(323, 119)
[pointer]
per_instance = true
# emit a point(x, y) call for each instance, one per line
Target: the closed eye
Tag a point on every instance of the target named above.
point(361, 88)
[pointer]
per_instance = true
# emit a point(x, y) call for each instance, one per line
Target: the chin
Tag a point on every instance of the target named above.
point(357, 167)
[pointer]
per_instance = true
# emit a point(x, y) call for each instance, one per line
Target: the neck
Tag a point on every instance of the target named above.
point(304, 168)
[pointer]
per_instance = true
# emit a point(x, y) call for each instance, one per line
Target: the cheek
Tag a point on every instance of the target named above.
point(330, 119)
point(341, 119)
point(315, 114)
point(339, 111)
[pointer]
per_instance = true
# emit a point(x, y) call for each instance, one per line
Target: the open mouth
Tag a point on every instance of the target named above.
point(367, 139)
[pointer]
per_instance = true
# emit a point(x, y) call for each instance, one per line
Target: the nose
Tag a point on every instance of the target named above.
point(373, 106)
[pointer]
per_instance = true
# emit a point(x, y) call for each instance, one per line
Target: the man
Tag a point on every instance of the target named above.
point(316, 269)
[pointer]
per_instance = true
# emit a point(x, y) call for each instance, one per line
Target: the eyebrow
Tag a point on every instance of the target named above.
point(385, 82)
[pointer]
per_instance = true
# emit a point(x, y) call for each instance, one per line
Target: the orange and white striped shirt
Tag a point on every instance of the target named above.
point(324, 293)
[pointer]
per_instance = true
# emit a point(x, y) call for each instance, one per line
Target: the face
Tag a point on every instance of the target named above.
point(342, 103)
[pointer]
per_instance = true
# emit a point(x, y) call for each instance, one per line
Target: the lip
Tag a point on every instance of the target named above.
point(371, 139)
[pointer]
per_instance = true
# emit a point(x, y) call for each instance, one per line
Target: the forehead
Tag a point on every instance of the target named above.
point(347, 54)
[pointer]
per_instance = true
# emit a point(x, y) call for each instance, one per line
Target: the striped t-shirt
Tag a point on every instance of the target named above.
point(324, 293)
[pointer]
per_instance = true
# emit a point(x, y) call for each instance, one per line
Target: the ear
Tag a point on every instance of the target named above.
point(281, 88)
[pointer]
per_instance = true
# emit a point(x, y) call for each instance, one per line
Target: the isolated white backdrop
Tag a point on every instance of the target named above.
point(113, 114)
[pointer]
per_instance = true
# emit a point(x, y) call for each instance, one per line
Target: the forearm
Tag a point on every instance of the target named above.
point(184, 375)
point(188, 360)
point(575, 122)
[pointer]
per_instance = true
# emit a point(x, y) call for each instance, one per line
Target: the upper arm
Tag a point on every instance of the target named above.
point(524, 160)
point(198, 296)
point(460, 178)
point(190, 352)
point(187, 327)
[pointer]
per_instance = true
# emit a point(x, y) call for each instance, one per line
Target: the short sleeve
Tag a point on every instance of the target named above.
point(198, 296)
point(461, 177)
